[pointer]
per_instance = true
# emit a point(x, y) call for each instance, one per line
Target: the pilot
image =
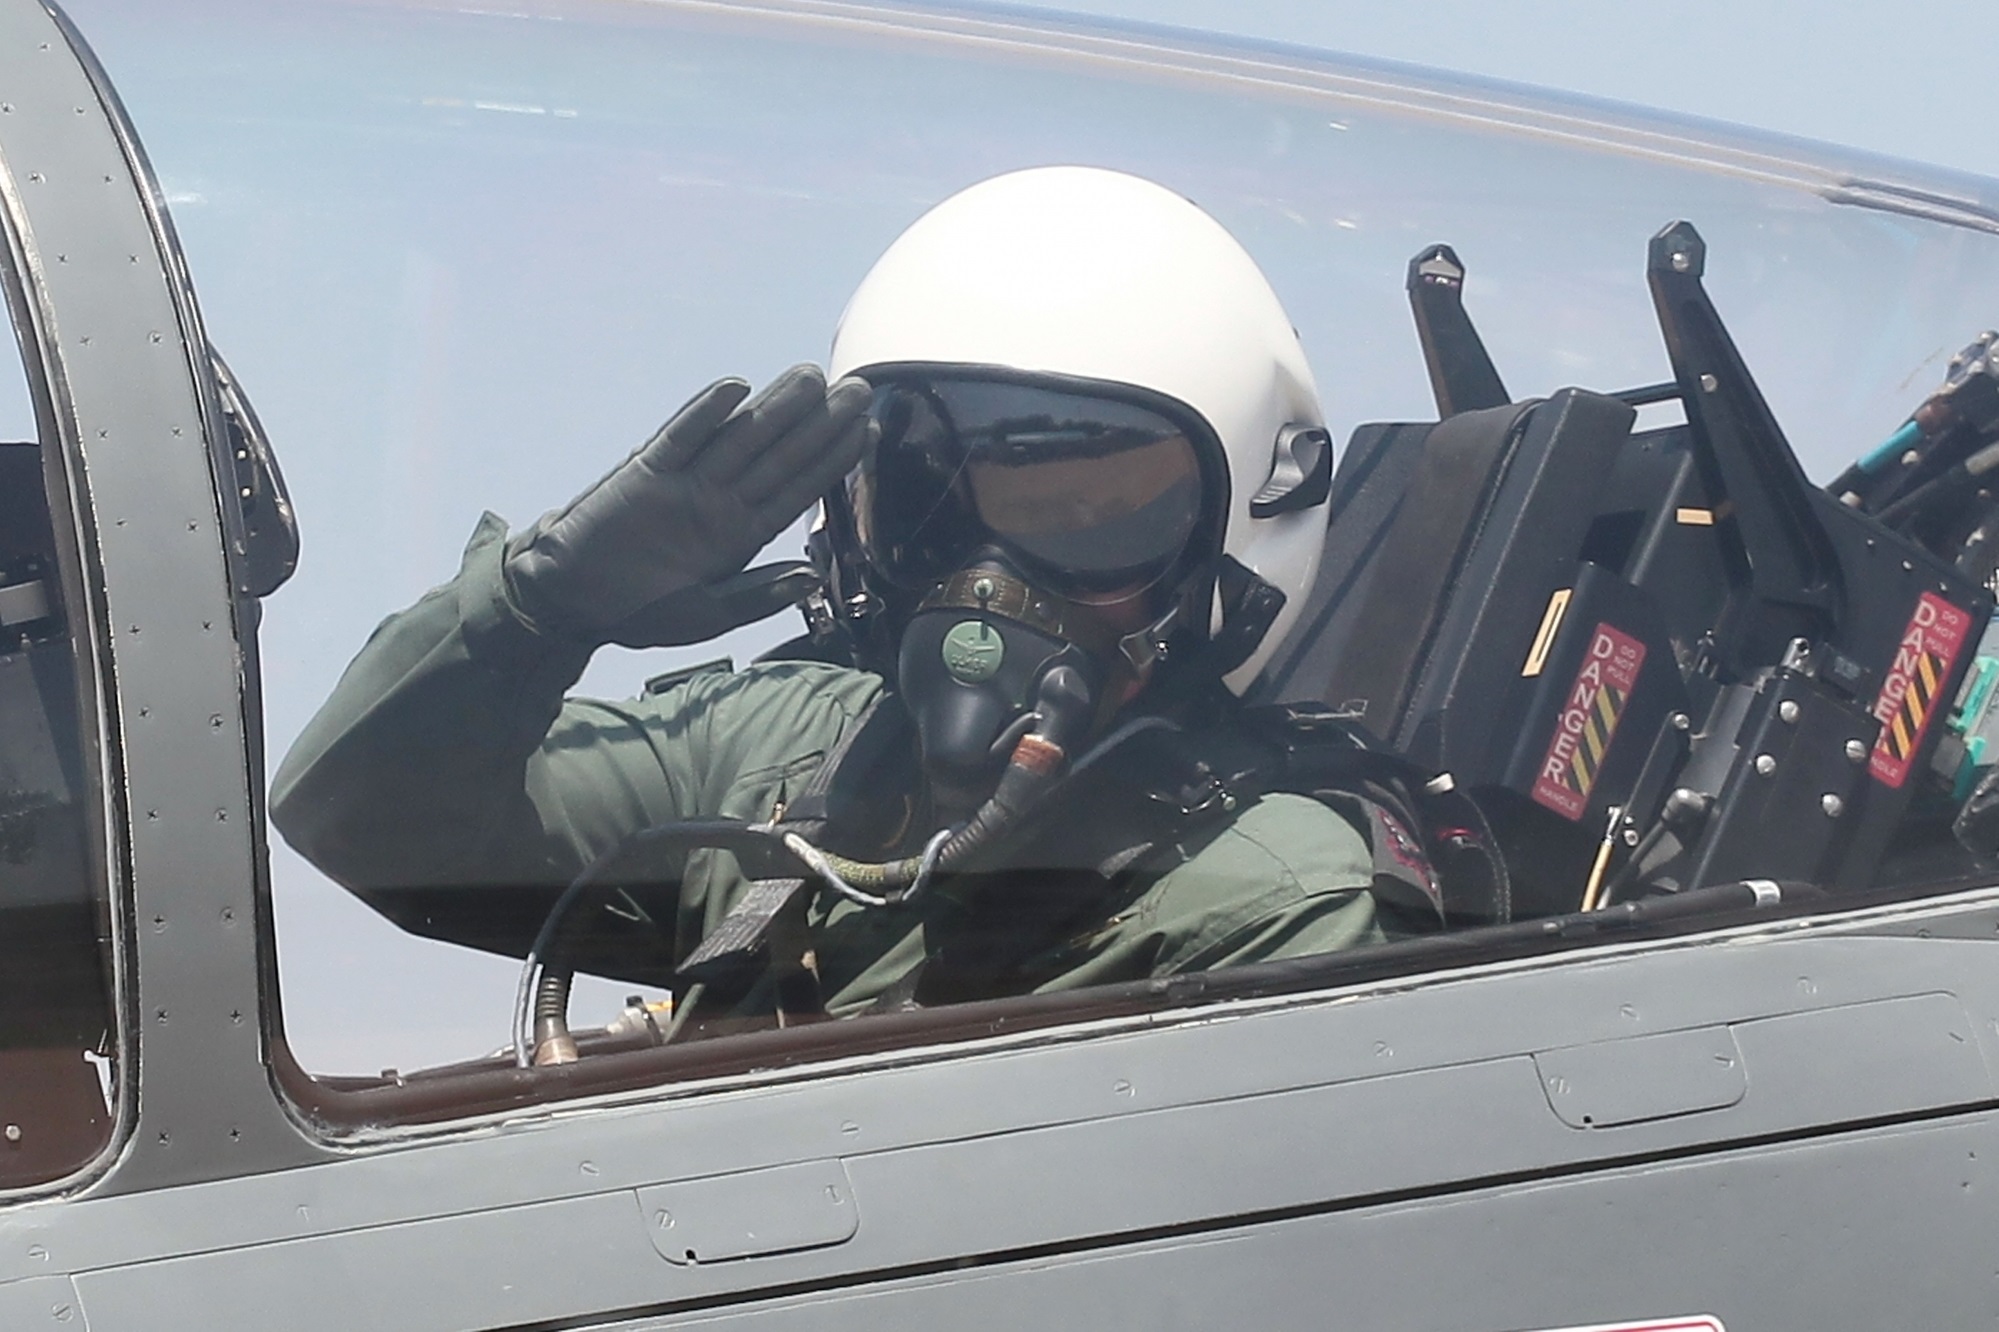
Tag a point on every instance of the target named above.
point(1074, 478)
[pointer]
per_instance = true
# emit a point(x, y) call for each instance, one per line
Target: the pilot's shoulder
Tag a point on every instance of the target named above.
point(1287, 877)
point(1287, 841)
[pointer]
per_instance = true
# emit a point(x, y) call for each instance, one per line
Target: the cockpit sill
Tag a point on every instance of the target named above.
point(361, 1112)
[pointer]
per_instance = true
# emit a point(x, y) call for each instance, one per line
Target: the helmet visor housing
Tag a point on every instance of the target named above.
point(1097, 498)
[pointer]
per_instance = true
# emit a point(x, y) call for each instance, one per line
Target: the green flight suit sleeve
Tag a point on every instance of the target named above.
point(448, 755)
point(1289, 877)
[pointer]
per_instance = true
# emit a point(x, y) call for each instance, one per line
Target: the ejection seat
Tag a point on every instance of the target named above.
point(1641, 651)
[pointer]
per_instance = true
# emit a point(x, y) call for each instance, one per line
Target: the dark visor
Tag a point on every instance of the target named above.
point(1095, 497)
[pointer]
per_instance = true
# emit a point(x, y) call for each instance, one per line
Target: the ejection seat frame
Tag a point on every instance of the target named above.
point(1661, 659)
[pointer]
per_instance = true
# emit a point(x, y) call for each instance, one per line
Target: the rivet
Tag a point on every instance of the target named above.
point(1681, 263)
point(1832, 805)
point(1787, 711)
point(1709, 383)
point(1765, 765)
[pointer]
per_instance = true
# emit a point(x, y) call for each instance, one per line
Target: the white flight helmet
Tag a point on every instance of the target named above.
point(1085, 274)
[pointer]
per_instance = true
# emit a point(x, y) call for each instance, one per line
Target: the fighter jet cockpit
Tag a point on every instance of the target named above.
point(1110, 674)
point(1201, 545)
point(963, 668)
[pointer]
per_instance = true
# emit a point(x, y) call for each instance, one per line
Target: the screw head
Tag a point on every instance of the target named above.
point(1832, 805)
point(1765, 765)
point(1856, 751)
point(12, 1132)
point(1787, 711)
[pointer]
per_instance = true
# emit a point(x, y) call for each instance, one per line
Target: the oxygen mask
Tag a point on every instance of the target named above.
point(1037, 527)
point(984, 663)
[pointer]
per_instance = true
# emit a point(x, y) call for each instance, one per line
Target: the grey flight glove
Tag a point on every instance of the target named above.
point(653, 555)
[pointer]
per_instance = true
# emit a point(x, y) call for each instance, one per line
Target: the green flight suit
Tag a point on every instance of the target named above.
point(448, 755)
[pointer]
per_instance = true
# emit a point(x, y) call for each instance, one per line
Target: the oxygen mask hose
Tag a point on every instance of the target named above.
point(1063, 704)
point(552, 1041)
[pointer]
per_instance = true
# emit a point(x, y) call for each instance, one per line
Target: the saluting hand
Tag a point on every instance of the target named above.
point(646, 555)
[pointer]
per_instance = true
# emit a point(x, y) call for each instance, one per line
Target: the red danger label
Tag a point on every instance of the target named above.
point(1590, 712)
point(1911, 695)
